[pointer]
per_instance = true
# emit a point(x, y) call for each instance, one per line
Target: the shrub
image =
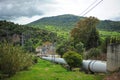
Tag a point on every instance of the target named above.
point(73, 59)
point(13, 59)
point(93, 53)
point(35, 60)
point(63, 49)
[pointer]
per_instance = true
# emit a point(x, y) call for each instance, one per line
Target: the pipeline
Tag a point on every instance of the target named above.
point(95, 66)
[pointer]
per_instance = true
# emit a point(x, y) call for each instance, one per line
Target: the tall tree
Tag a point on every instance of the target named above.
point(86, 32)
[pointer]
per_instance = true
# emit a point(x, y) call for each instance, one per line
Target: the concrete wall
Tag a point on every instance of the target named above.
point(113, 57)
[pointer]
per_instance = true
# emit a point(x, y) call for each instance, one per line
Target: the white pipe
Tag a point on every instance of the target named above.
point(89, 65)
point(95, 66)
point(58, 60)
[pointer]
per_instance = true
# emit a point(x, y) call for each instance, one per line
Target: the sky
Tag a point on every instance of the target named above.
point(26, 11)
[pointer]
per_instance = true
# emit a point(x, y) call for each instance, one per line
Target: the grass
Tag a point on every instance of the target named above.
point(45, 70)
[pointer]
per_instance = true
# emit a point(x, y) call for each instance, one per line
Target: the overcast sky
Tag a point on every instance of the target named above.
point(25, 11)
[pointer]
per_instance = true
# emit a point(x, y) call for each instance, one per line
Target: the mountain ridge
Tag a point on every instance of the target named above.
point(68, 21)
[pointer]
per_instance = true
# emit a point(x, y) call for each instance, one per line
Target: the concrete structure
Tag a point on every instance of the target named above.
point(113, 57)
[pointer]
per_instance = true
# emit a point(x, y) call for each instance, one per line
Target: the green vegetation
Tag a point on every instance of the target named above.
point(67, 22)
point(64, 47)
point(73, 59)
point(86, 32)
point(109, 25)
point(63, 24)
point(13, 59)
point(27, 37)
point(83, 38)
point(61, 50)
point(79, 47)
point(104, 34)
point(45, 70)
point(93, 53)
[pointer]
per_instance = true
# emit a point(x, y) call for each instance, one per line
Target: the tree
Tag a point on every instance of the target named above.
point(79, 47)
point(93, 40)
point(86, 32)
point(62, 49)
point(73, 59)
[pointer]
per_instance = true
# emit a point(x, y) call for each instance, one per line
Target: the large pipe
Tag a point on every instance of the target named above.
point(88, 65)
point(57, 60)
point(95, 66)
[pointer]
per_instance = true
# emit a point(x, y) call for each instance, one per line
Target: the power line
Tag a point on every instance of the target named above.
point(92, 7)
point(89, 6)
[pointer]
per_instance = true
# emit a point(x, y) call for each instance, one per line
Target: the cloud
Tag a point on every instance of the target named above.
point(25, 11)
point(17, 8)
point(25, 20)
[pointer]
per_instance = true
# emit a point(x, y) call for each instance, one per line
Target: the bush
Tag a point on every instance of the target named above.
point(35, 60)
point(61, 50)
point(93, 53)
point(13, 59)
point(73, 59)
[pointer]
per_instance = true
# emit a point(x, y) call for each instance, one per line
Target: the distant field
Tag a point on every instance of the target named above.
point(63, 32)
point(45, 70)
point(109, 33)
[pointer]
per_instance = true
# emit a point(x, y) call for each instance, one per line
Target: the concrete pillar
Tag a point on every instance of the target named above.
point(113, 57)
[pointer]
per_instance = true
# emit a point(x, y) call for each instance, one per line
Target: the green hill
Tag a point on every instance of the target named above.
point(109, 25)
point(69, 21)
point(63, 21)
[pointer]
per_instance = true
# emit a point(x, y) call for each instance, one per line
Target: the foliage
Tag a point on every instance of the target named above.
point(64, 47)
point(13, 59)
point(86, 32)
point(109, 25)
point(104, 34)
point(27, 37)
point(79, 47)
point(103, 45)
point(61, 50)
point(106, 38)
point(73, 59)
point(93, 53)
point(113, 40)
point(43, 68)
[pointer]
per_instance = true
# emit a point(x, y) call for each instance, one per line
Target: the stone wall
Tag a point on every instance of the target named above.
point(113, 57)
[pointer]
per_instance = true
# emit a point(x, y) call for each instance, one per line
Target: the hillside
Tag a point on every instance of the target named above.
point(109, 25)
point(63, 21)
point(26, 36)
point(68, 22)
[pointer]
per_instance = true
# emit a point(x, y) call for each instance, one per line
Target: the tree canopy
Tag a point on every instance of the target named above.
point(86, 32)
